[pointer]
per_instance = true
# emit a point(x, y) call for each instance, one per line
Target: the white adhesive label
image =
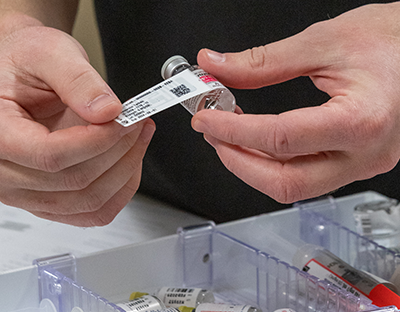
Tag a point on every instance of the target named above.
point(193, 103)
point(176, 297)
point(339, 275)
point(170, 92)
point(145, 303)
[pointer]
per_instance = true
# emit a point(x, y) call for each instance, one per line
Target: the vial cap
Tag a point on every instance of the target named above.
point(186, 309)
point(170, 64)
point(137, 294)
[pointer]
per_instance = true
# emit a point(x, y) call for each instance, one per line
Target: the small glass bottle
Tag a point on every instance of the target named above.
point(182, 296)
point(143, 303)
point(379, 221)
point(323, 264)
point(219, 97)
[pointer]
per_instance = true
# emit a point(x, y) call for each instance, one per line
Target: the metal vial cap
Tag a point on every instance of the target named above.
point(169, 66)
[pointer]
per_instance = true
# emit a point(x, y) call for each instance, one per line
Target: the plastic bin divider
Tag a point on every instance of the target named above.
point(56, 277)
point(357, 250)
point(239, 273)
point(197, 253)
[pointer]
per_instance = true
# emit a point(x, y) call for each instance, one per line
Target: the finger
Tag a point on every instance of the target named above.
point(65, 69)
point(306, 130)
point(273, 63)
point(95, 195)
point(102, 216)
point(296, 179)
point(32, 145)
point(72, 178)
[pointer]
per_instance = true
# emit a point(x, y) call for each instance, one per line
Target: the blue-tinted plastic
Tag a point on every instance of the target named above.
point(238, 272)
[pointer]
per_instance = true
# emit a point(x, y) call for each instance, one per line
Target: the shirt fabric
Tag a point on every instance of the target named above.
point(180, 168)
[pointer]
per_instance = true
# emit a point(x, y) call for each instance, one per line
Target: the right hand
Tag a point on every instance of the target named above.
point(62, 157)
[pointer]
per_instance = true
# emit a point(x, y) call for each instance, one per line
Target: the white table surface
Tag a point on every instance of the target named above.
point(24, 237)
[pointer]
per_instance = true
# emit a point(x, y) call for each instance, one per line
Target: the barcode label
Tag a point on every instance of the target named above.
point(176, 297)
point(366, 225)
point(363, 223)
point(170, 92)
point(180, 90)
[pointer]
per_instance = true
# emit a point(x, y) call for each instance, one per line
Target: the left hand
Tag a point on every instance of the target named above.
point(311, 151)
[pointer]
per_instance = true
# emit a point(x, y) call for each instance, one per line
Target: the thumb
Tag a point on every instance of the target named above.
point(266, 65)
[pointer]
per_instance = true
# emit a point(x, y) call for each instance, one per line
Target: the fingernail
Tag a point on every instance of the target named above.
point(216, 56)
point(147, 132)
point(101, 102)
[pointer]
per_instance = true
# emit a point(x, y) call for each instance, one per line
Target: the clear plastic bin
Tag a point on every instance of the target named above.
point(230, 259)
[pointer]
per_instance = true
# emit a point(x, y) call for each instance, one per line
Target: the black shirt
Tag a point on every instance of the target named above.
point(180, 168)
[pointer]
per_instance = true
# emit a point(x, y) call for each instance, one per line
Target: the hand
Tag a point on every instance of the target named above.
point(308, 152)
point(62, 156)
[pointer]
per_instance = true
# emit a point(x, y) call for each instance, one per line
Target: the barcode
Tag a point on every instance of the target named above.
point(183, 290)
point(366, 225)
point(180, 90)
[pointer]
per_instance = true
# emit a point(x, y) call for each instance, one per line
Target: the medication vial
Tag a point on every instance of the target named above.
point(190, 297)
point(219, 97)
point(325, 265)
point(145, 303)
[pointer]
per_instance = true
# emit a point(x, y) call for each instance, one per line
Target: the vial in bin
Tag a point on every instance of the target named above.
point(222, 307)
point(140, 302)
point(379, 221)
point(183, 296)
point(219, 97)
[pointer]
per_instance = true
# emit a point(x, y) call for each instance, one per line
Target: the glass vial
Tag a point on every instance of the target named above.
point(221, 307)
point(219, 97)
point(145, 303)
point(190, 297)
point(379, 221)
point(323, 264)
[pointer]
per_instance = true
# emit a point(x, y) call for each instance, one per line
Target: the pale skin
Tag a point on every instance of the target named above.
point(62, 156)
point(355, 58)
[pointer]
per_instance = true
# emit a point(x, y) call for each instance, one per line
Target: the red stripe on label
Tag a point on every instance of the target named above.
point(208, 78)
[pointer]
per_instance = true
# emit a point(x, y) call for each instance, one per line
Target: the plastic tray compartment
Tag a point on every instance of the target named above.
point(207, 257)
point(330, 223)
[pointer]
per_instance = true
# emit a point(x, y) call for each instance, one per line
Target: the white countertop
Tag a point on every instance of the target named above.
point(24, 237)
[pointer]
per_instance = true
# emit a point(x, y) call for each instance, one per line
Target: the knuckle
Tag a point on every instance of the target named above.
point(77, 180)
point(74, 80)
point(7, 198)
point(278, 140)
point(287, 191)
point(369, 130)
point(258, 57)
point(91, 201)
point(49, 161)
point(288, 187)
point(388, 162)
point(101, 219)
point(135, 161)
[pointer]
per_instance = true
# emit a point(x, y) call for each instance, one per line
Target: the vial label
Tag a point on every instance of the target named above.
point(339, 274)
point(193, 103)
point(176, 297)
point(145, 303)
point(168, 93)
